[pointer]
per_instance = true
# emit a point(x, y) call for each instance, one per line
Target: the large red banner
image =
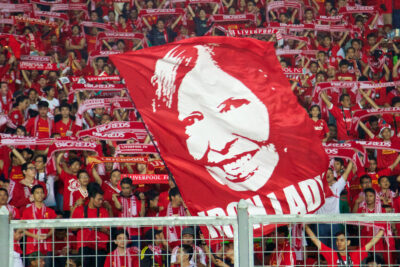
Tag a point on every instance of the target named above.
point(228, 126)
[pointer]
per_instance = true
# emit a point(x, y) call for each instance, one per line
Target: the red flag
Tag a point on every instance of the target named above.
point(15, 46)
point(227, 125)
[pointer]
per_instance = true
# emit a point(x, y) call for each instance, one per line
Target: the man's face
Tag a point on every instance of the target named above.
point(32, 96)
point(39, 163)
point(384, 183)
point(43, 112)
point(350, 54)
point(30, 171)
point(369, 198)
point(38, 195)
point(98, 201)
point(346, 102)
point(160, 25)
point(75, 167)
point(126, 190)
point(237, 152)
point(329, 176)
point(65, 112)
point(371, 41)
point(84, 179)
point(42, 82)
point(3, 198)
point(341, 242)
point(4, 89)
point(313, 68)
point(337, 165)
point(25, 104)
point(344, 68)
point(18, 234)
point(366, 183)
point(177, 199)
point(38, 262)
point(115, 177)
point(372, 166)
point(187, 239)
point(327, 41)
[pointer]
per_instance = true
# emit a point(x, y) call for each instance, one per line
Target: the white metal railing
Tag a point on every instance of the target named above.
point(242, 227)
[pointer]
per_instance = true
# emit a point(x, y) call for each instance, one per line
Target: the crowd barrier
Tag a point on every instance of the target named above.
point(247, 249)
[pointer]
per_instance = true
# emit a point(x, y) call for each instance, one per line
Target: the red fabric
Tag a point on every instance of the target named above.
point(17, 117)
point(62, 128)
point(321, 128)
point(173, 124)
point(70, 184)
point(86, 237)
point(343, 122)
point(331, 256)
point(132, 231)
point(31, 243)
point(21, 194)
point(43, 129)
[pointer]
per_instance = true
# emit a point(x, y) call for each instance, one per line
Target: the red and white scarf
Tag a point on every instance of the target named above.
point(116, 190)
point(96, 79)
point(172, 233)
point(135, 149)
point(116, 259)
point(129, 207)
point(39, 230)
point(35, 129)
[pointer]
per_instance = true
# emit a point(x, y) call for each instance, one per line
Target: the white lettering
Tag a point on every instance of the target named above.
point(296, 204)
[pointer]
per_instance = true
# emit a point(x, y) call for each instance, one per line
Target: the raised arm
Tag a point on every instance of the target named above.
point(369, 100)
point(176, 22)
point(325, 98)
point(367, 131)
point(191, 11)
point(347, 171)
point(314, 239)
point(374, 240)
point(343, 38)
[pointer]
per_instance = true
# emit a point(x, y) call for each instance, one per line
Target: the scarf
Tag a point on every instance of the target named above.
point(129, 208)
point(39, 230)
point(172, 234)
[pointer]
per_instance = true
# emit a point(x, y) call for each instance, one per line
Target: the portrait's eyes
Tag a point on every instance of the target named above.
point(192, 118)
point(231, 103)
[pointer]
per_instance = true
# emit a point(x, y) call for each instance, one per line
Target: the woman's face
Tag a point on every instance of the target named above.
point(314, 112)
point(237, 151)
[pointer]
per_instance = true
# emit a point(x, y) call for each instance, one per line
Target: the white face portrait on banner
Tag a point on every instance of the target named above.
point(227, 126)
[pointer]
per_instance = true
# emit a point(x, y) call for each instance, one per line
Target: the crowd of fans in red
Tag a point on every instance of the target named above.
point(43, 48)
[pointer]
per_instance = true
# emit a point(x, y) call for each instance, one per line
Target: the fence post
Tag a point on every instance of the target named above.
point(243, 233)
point(4, 236)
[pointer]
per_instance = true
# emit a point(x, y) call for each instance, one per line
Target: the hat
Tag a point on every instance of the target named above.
point(42, 76)
point(188, 231)
point(151, 233)
point(386, 126)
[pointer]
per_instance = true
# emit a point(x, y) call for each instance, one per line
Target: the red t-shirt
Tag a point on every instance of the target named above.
point(109, 190)
point(77, 194)
point(63, 128)
point(344, 123)
point(88, 236)
point(70, 184)
point(321, 128)
point(368, 232)
point(131, 258)
point(332, 258)
point(33, 213)
point(17, 117)
point(20, 193)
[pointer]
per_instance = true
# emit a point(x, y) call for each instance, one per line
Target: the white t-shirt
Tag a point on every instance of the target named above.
point(50, 201)
point(331, 205)
point(197, 253)
point(52, 104)
point(17, 260)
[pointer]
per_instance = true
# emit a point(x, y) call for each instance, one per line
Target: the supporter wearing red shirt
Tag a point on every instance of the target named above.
point(175, 208)
point(283, 254)
point(76, 42)
point(38, 239)
point(20, 194)
point(130, 207)
point(40, 126)
point(110, 188)
point(12, 170)
point(14, 212)
point(66, 126)
point(122, 256)
point(343, 256)
point(17, 115)
point(92, 241)
point(343, 116)
point(79, 197)
point(374, 174)
point(68, 177)
point(386, 158)
point(320, 126)
point(344, 74)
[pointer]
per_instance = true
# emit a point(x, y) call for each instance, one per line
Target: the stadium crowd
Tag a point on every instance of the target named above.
point(54, 60)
